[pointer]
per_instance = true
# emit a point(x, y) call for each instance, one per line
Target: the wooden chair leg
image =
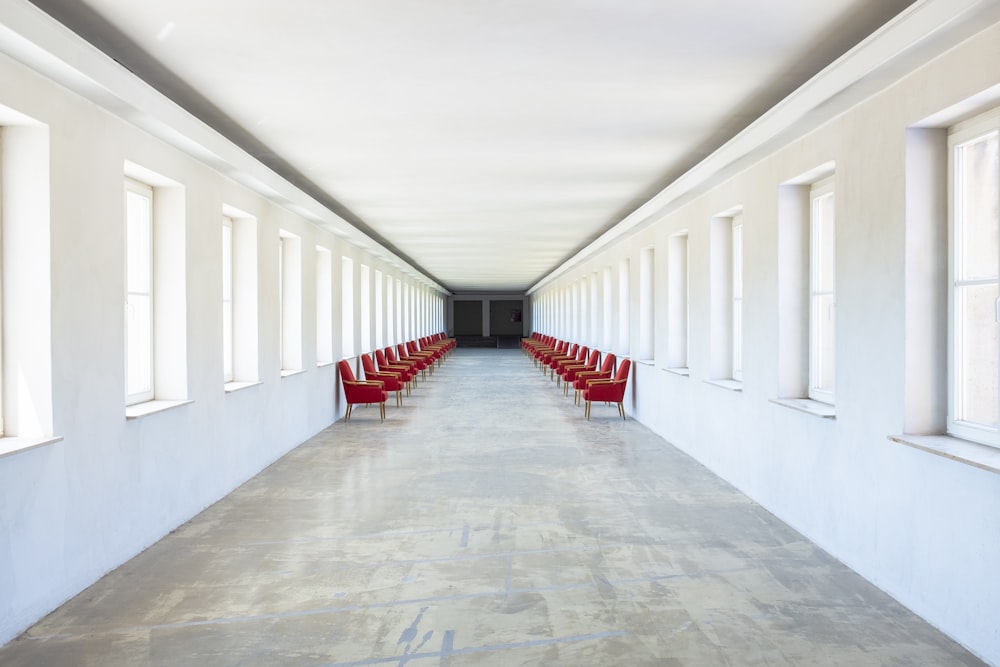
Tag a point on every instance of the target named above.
point(347, 416)
point(586, 411)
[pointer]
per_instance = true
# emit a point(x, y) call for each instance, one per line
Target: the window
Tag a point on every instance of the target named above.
point(347, 305)
point(974, 300)
point(623, 306)
point(139, 291)
point(155, 272)
point(25, 273)
point(595, 311)
point(239, 298)
point(677, 302)
point(390, 311)
point(227, 299)
point(725, 332)
point(324, 306)
point(290, 301)
point(607, 319)
point(379, 311)
point(822, 300)
point(647, 301)
point(737, 297)
point(366, 309)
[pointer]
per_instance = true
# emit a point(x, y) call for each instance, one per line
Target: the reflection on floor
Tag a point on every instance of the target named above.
point(485, 523)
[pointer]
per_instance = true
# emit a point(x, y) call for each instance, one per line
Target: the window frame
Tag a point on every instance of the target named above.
point(822, 255)
point(736, 296)
point(228, 336)
point(963, 134)
point(138, 188)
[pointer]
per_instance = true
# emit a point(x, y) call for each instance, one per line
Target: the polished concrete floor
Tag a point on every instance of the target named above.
point(485, 523)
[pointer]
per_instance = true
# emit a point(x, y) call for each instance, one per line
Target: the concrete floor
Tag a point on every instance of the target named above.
point(485, 523)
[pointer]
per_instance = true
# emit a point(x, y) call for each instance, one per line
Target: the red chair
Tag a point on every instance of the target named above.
point(421, 363)
point(412, 364)
point(391, 381)
point(361, 391)
point(545, 357)
point(568, 372)
point(406, 373)
point(579, 355)
point(433, 356)
point(609, 391)
point(580, 381)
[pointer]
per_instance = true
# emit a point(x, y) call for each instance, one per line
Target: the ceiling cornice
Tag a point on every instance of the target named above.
point(33, 38)
point(921, 32)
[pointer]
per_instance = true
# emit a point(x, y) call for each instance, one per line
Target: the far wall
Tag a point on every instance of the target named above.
point(492, 315)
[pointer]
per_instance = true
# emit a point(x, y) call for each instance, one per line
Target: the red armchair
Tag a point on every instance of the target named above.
point(391, 381)
point(580, 381)
point(361, 391)
point(578, 356)
point(568, 372)
point(609, 391)
point(545, 357)
point(420, 363)
point(406, 373)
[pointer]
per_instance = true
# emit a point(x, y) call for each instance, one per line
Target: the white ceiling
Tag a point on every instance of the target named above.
point(485, 142)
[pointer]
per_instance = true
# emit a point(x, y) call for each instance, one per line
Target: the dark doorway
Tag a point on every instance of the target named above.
point(468, 318)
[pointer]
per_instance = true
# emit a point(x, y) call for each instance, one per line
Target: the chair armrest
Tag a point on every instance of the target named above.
point(366, 383)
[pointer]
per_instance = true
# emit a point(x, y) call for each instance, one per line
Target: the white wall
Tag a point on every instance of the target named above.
point(74, 509)
point(922, 527)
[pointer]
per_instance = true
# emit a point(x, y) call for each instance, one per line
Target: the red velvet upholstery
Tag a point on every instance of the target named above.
point(580, 381)
point(433, 356)
point(578, 364)
point(567, 355)
point(546, 356)
point(578, 354)
point(391, 381)
point(569, 371)
point(406, 373)
point(608, 390)
point(419, 363)
point(412, 365)
point(361, 391)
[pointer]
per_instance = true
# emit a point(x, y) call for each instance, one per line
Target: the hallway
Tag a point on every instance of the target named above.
point(484, 523)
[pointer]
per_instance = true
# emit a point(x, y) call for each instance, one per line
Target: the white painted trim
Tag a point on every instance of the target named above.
point(32, 37)
point(152, 407)
point(914, 33)
point(956, 449)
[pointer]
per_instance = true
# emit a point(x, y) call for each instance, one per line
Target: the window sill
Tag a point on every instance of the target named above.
point(15, 444)
point(686, 372)
point(731, 385)
point(808, 406)
point(964, 451)
point(152, 407)
point(324, 364)
point(236, 386)
point(646, 362)
point(286, 373)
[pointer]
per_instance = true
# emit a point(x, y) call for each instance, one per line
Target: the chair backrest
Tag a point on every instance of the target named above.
point(380, 358)
point(346, 374)
point(401, 349)
point(595, 356)
point(583, 353)
point(411, 347)
point(623, 368)
point(573, 350)
point(366, 363)
point(609, 363)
